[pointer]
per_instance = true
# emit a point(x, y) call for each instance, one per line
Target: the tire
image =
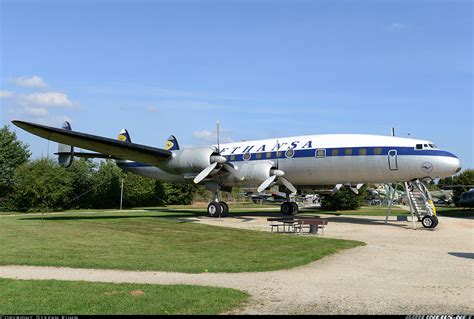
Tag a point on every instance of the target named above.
point(214, 209)
point(429, 221)
point(225, 209)
point(296, 208)
point(435, 221)
point(287, 209)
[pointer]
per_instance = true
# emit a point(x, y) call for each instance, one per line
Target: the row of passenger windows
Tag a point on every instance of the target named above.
point(319, 153)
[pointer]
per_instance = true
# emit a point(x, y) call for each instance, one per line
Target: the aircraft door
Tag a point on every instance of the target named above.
point(392, 160)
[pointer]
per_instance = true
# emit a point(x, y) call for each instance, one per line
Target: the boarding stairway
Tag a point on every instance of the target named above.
point(421, 203)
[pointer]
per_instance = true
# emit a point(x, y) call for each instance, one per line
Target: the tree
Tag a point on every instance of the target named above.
point(344, 199)
point(106, 185)
point(82, 173)
point(41, 185)
point(13, 153)
point(142, 191)
point(179, 194)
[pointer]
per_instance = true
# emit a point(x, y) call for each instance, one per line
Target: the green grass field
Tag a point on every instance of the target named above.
point(87, 298)
point(150, 240)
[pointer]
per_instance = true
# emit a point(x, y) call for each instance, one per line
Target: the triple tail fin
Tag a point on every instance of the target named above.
point(65, 152)
point(172, 144)
point(124, 136)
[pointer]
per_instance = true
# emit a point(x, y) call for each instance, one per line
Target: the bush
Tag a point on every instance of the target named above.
point(141, 191)
point(344, 199)
point(41, 185)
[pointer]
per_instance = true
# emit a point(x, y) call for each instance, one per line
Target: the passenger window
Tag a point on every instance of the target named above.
point(290, 153)
point(268, 155)
point(348, 151)
point(377, 151)
point(258, 156)
point(362, 151)
point(247, 156)
point(232, 158)
point(321, 153)
point(419, 146)
point(278, 154)
point(335, 152)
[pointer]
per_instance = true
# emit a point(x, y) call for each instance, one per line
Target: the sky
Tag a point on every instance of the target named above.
point(264, 69)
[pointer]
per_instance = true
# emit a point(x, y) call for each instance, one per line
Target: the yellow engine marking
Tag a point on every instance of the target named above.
point(122, 138)
point(169, 145)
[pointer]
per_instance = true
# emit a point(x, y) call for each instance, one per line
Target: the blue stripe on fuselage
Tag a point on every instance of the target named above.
point(330, 152)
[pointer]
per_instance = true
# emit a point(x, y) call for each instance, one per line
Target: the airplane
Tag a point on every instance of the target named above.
point(344, 160)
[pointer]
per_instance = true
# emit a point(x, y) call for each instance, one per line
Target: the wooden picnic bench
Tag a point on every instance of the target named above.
point(297, 224)
point(312, 224)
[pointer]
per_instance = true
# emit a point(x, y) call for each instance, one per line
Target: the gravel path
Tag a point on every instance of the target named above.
point(400, 271)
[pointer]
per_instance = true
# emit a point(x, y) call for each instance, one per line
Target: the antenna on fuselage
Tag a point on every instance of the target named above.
point(218, 126)
point(393, 131)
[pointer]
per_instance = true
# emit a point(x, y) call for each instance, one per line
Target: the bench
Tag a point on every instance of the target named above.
point(297, 225)
point(312, 224)
point(284, 222)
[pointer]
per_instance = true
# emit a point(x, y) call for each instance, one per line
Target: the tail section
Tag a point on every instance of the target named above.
point(124, 136)
point(172, 144)
point(65, 152)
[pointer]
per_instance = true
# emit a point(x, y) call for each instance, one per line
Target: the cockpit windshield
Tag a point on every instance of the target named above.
point(429, 145)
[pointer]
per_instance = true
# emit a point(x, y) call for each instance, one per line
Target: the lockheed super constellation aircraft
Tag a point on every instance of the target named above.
point(292, 162)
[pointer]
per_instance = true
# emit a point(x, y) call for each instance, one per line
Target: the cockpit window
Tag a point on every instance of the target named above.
point(419, 146)
point(425, 145)
point(432, 146)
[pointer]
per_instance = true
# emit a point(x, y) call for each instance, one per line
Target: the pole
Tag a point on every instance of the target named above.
point(121, 195)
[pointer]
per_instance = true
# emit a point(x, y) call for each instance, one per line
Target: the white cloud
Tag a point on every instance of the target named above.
point(152, 109)
point(36, 111)
point(47, 99)
point(4, 94)
point(396, 27)
point(30, 82)
point(205, 135)
point(211, 137)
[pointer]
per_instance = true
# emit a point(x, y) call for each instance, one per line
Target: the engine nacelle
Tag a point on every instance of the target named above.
point(192, 160)
point(256, 172)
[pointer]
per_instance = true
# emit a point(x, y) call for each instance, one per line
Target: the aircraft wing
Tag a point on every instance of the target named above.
point(107, 146)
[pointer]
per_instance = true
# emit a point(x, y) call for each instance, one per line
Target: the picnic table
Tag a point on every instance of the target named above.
point(300, 225)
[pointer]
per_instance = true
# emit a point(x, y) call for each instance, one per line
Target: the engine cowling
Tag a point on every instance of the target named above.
point(256, 172)
point(192, 160)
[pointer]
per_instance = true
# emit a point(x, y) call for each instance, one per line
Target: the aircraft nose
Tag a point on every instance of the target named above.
point(452, 165)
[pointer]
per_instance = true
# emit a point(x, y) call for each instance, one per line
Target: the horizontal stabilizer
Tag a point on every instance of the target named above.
point(127, 151)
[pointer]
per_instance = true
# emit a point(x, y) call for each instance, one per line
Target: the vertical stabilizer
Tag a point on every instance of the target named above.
point(172, 144)
point(124, 136)
point(65, 152)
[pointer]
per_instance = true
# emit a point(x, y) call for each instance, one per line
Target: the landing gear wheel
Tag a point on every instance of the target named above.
point(295, 208)
point(287, 208)
point(214, 209)
point(225, 209)
point(429, 221)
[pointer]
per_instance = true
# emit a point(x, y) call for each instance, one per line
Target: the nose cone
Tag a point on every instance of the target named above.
point(451, 165)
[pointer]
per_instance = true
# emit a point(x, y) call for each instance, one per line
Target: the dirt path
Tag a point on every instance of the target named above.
point(400, 271)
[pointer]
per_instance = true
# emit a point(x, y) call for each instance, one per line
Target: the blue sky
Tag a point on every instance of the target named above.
point(263, 68)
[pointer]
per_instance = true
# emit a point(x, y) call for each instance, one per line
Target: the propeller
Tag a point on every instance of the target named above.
point(356, 189)
point(217, 161)
point(276, 174)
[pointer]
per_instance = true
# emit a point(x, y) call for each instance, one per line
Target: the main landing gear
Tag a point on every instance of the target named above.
point(217, 209)
point(289, 208)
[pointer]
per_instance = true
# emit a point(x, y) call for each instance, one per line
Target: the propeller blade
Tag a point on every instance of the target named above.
point(233, 171)
point(288, 185)
point(355, 190)
point(267, 183)
point(336, 188)
point(205, 172)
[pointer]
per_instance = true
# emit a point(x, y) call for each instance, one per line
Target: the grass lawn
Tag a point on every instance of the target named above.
point(90, 298)
point(454, 212)
point(150, 240)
